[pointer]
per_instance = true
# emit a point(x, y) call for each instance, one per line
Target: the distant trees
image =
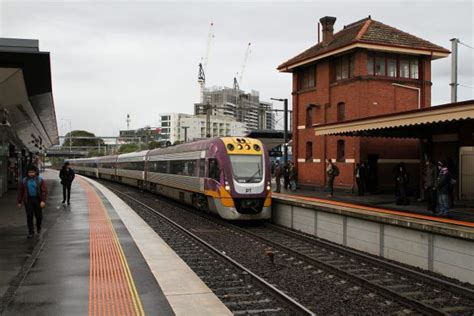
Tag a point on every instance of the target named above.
point(74, 138)
point(128, 148)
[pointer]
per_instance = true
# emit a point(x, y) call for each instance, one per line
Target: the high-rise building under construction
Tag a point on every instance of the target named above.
point(243, 107)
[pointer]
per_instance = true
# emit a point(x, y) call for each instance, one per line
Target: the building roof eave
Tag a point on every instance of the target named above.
point(435, 54)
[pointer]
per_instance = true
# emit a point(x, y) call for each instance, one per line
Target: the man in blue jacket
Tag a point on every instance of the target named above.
point(32, 193)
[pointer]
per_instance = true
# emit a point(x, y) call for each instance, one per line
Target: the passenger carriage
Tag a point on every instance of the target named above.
point(229, 176)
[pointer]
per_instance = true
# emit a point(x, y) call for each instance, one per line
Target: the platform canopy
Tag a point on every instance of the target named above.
point(449, 118)
point(27, 113)
point(270, 138)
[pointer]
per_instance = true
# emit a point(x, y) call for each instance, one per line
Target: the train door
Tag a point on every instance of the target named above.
point(466, 173)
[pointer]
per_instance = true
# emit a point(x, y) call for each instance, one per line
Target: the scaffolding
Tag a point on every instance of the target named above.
point(243, 107)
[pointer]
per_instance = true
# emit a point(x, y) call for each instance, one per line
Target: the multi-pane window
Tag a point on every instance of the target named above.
point(307, 78)
point(390, 65)
point(341, 154)
point(379, 65)
point(404, 67)
point(341, 111)
point(414, 68)
point(344, 67)
point(309, 151)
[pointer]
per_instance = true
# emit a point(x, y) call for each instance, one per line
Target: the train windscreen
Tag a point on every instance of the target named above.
point(247, 168)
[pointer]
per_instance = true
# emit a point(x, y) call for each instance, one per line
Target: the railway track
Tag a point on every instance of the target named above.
point(242, 291)
point(389, 287)
point(420, 292)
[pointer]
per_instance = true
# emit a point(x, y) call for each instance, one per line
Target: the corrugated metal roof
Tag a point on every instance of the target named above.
point(430, 116)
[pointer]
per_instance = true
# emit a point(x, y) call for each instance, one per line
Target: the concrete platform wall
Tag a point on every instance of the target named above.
point(446, 255)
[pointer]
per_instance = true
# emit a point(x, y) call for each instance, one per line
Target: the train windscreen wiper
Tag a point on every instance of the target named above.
point(254, 175)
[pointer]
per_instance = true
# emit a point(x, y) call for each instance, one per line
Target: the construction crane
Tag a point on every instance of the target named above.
point(204, 61)
point(244, 64)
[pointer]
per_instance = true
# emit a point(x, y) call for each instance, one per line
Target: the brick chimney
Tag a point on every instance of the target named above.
point(328, 28)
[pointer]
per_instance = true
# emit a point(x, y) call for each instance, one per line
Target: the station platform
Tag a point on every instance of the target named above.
point(462, 211)
point(96, 256)
point(376, 225)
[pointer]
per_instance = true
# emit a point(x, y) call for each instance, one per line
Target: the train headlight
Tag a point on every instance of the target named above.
point(239, 146)
point(247, 147)
point(227, 187)
point(269, 188)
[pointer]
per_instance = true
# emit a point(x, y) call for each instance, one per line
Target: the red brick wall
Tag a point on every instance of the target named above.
point(363, 96)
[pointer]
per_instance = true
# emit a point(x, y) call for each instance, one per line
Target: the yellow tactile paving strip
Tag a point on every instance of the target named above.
point(112, 290)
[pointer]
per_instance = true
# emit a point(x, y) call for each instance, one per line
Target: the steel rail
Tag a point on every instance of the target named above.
point(388, 293)
point(433, 280)
point(281, 295)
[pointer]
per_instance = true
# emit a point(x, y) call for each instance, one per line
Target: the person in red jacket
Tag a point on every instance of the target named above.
point(32, 193)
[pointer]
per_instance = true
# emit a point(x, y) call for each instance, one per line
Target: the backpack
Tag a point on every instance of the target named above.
point(335, 170)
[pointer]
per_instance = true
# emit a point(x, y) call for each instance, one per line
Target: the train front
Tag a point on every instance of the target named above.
point(247, 180)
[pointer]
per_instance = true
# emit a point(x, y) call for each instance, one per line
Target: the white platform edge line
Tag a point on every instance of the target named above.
point(150, 244)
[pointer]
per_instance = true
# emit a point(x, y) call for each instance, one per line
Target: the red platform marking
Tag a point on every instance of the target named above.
point(111, 287)
point(379, 210)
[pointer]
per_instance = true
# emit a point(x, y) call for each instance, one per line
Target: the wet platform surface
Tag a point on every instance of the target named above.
point(84, 262)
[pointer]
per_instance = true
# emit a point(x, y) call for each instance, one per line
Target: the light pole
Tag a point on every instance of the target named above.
point(285, 128)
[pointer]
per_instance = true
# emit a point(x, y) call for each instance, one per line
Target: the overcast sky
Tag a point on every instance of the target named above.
point(110, 58)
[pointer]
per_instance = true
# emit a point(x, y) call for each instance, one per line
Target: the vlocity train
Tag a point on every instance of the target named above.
point(229, 176)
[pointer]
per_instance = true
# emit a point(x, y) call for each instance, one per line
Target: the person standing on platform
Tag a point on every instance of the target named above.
point(429, 184)
point(332, 172)
point(360, 175)
point(286, 175)
point(33, 193)
point(67, 175)
point(443, 186)
point(293, 175)
point(402, 184)
point(278, 173)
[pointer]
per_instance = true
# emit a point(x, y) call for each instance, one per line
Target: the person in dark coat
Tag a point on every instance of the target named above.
point(360, 176)
point(278, 173)
point(67, 175)
point(402, 184)
point(293, 176)
point(429, 185)
point(286, 175)
point(32, 194)
point(332, 172)
point(443, 186)
point(453, 171)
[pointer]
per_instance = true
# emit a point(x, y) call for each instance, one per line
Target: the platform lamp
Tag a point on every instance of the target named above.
point(285, 128)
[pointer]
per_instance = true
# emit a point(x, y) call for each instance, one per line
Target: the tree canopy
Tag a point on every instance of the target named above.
point(81, 142)
point(128, 148)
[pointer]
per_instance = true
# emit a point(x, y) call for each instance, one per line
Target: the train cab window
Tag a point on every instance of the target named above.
point(214, 172)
